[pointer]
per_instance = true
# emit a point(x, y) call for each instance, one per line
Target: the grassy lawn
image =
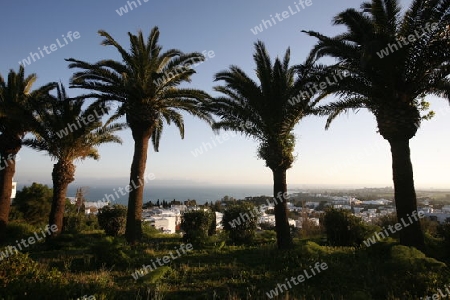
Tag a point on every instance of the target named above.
point(92, 264)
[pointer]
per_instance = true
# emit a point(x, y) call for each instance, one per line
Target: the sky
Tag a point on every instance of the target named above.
point(351, 152)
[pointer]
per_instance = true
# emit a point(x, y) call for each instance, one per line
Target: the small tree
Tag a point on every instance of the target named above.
point(344, 229)
point(80, 197)
point(34, 203)
point(112, 219)
point(213, 226)
point(240, 221)
point(196, 225)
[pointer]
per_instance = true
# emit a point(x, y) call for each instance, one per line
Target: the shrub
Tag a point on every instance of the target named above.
point(388, 220)
point(240, 221)
point(213, 226)
point(444, 232)
point(18, 230)
point(33, 203)
point(196, 225)
point(112, 219)
point(75, 223)
point(22, 278)
point(344, 229)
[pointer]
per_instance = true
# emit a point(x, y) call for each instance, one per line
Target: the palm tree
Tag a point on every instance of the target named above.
point(15, 121)
point(145, 85)
point(268, 112)
point(68, 133)
point(393, 62)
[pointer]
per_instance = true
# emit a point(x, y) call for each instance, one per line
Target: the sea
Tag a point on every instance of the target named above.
point(201, 194)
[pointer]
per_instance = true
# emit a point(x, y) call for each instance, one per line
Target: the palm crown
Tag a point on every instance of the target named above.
point(265, 111)
point(16, 100)
point(55, 133)
point(393, 62)
point(144, 84)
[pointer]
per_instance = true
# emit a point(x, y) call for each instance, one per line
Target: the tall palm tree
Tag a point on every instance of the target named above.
point(145, 84)
point(16, 97)
point(268, 112)
point(393, 61)
point(68, 133)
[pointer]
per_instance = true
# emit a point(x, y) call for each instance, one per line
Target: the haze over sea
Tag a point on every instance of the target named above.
point(178, 192)
point(181, 191)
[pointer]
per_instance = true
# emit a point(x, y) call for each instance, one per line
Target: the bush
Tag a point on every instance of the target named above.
point(112, 219)
point(444, 232)
point(388, 220)
point(22, 278)
point(240, 221)
point(18, 230)
point(196, 225)
point(33, 204)
point(344, 229)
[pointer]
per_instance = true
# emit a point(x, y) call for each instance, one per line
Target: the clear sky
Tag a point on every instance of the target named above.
point(351, 152)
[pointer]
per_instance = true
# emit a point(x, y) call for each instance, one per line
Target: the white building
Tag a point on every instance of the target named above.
point(165, 220)
point(446, 208)
point(14, 189)
point(265, 218)
point(440, 217)
point(164, 224)
point(93, 207)
point(219, 218)
point(377, 202)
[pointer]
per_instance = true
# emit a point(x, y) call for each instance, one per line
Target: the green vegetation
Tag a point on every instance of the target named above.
point(112, 219)
point(240, 221)
point(240, 262)
point(344, 229)
point(197, 226)
point(32, 204)
point(94, 264)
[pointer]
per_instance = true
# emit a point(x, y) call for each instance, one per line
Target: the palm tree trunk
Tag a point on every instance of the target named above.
point(284, 239)
point(405, 194)
point(62, 176)
point(133, 231)
point(7, 170)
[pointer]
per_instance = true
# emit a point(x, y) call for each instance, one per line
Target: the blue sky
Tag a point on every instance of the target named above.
point(351, 152)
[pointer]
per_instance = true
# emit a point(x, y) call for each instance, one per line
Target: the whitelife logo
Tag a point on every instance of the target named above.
point(280, 17)
point(282, 287)
point(165, 260)
point(398, 226)
point(405, 41)
point(48, 230)
point(128, 188)
point(76, 126)
point(53, 47)
point(124, 9)
point(245, 217)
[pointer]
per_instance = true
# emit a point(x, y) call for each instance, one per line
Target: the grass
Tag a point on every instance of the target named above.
point(92, 264)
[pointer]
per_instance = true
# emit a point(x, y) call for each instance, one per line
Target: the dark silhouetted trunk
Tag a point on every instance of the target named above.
point(62, 176)
point(9, 147)
point(284, 239)
point(405, 195)
point(133, 231)
point(7, 170)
